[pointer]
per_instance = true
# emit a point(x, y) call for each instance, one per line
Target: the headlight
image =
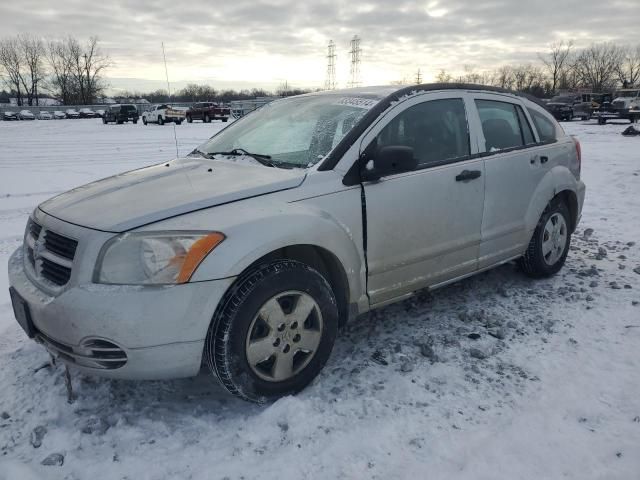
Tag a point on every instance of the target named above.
point(154, 258)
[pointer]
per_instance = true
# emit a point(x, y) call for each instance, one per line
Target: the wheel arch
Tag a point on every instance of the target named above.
point(322, 260)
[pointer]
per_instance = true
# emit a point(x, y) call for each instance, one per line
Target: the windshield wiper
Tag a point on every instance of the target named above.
point(195, 151)
point(263, 159)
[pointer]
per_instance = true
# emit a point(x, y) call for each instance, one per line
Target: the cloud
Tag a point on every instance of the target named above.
point(264, 42)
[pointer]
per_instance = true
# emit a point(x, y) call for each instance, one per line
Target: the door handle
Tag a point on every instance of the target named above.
point(468, 175)
point(544, 159)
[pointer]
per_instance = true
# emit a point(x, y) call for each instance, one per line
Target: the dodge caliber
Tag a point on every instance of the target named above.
point(247, 255)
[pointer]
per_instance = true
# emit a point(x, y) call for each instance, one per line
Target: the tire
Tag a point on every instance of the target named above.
point(225, 120)
point(104, 120)
point(275, 287)
point(536, 262)
point(144, 121)
point(135, 122)
point(189, 119)
point(602, 121)
point(160, 121)
point(207, 119)
point(119, 122)
point(178, 122)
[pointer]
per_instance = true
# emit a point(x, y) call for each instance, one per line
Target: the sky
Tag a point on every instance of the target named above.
point(263, 43)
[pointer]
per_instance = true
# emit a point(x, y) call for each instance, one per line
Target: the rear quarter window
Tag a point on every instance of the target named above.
point(548, 129)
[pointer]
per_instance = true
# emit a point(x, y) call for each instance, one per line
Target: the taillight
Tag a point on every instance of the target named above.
point(578, 153)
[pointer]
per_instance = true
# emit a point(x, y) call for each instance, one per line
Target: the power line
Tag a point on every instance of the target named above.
point(330, 82)
point(355, 53)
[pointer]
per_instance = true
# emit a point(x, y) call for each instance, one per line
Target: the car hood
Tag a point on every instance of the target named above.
point(150, 194)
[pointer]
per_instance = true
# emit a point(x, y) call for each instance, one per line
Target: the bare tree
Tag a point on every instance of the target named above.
point(628, 71)
point(557, 61)
point(596, 66)
point(77, 70)
point(62, 81)
point(32, 51)
point(12, 66)
point(444, 77)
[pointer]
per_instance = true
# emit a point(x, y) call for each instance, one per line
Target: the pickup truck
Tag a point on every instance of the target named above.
point(162, 114)
point(207, 111)
point(625, 105)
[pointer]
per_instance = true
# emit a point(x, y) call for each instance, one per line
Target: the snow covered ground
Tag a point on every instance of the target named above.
point(407, 393)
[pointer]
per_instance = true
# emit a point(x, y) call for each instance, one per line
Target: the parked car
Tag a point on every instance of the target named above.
point(248, 254)
point(561, 106)
point(71, 113)
point(44, 115)
point(10, 116)
point(162, 114)
point(207, 111)
point(625, 106)
point(99, 113)
point(87, 113)
point(59, 115)
point(26, 115)
point(120, 114)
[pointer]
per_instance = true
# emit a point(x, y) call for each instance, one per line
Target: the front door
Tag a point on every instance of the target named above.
point(423, 226)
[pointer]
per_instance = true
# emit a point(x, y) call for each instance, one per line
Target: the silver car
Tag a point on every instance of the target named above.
point(248, 254)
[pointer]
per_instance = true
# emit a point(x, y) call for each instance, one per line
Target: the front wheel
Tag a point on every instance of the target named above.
point(160, 121)
point(549, 246)
point(189, 119)
point(273, 332)
point(144, 121)
point(104, 120)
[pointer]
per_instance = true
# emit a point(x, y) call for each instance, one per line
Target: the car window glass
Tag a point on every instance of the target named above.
point(527, 133)
point(545, 127)
point(500, 125)
point(436, 130)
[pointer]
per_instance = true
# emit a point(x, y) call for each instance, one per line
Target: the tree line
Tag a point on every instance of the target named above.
point(67, 69)
point(600, 67)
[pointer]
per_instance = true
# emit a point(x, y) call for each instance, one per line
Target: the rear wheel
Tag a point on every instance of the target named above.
point(207, 119)
point(160, 121)
point(273, 331)
point(549, 246)
point(602, 121)
point(189, 119)
point(144, 120)
point(104, 120)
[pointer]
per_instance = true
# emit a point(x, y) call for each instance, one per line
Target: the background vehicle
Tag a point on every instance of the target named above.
point(590, 104)
point(251, 261)
point(26, 115)
point(99, 113)
point(71, 113)
point(10, 116)
point(87, 113)
point(120, 114)
point(561, 106)
point(162, 114)
point(625, 105)
point(59, 115)
point(207, 111)
point(44, 115)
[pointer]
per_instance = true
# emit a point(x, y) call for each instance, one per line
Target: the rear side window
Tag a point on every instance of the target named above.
point(436, 130)
point(502, 125)
point(547, 130)
point(527, 133)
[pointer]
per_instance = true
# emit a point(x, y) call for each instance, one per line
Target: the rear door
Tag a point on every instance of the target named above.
point(423, 226)
point(515, 163)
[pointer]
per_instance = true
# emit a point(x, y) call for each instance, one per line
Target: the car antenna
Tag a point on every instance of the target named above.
point(166, 72)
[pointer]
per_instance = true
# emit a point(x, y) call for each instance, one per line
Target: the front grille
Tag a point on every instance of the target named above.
point(49, 254)
point(63, 246)
point(93, 353)
point(54, 272)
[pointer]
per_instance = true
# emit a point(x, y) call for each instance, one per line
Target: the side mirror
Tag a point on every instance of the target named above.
point(389, 160)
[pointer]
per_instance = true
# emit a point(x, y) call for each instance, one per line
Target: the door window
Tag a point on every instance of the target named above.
point(501, 125)
point(436, 130)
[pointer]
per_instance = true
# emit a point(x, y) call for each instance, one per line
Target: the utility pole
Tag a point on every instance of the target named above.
point(418, 77)
point(355, 53)
point(330, 82)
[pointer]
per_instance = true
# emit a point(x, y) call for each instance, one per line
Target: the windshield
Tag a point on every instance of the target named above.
point(127, 108)
point(628, 94)
point(295, 132)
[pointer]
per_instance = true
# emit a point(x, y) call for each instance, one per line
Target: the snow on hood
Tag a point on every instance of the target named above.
point(150, 194)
